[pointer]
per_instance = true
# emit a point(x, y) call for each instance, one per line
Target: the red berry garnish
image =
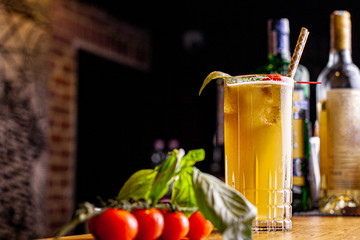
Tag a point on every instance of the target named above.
point(274, 77)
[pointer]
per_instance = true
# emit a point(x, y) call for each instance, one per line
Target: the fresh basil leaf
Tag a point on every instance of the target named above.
point(138, 186)
point(192, 157)
point(167, 171)
point(225, 207)
point(183, 192)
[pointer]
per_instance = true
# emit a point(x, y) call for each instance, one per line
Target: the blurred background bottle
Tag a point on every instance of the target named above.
point(338, 109)
point(279, 58)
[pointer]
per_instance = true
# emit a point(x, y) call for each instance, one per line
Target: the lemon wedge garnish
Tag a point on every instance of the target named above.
point(212, 76)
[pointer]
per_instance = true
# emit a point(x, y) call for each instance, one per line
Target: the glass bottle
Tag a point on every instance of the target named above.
point(279, 58)
point(338, 109)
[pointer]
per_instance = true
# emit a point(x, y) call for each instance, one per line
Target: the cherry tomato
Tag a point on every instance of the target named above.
point(200, 227)
point(116, 224)
point(151, 223)
point(176, 226)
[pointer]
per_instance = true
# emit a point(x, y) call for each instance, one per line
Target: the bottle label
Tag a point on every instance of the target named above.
point(298, 136)
point(300, 108)
point(343, 138)
point(298, 178)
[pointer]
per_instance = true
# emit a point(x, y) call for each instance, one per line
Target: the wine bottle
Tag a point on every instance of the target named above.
point(338, 111)
point(278, 62)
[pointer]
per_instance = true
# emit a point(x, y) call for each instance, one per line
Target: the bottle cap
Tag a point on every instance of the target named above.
point(280, 25)
point(340, 30)
point(278, 32)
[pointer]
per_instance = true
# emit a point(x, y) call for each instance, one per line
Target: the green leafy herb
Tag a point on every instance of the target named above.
point(183, 192)
point(167, 171)
point(225, 207)
point(151, 184)
point(138, 186)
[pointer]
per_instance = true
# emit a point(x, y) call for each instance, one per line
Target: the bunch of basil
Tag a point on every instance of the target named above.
point(225, 207)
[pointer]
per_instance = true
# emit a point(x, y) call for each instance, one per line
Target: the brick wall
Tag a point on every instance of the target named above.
point(78, 26)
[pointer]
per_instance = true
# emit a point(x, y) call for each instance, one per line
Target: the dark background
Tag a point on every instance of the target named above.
point(234, 37)
point(163, 102)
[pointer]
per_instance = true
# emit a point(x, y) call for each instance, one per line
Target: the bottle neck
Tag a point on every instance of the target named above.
point(279, 46)
point(340, 38)
point(337, 56)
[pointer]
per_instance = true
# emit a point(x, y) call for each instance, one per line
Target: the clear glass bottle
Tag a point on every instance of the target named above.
point(338, 111)
point(279, 58)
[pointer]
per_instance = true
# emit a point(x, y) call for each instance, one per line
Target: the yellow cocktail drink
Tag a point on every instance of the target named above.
point(258, 145)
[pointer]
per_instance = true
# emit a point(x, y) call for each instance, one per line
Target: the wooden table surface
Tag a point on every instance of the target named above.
point(308, 228)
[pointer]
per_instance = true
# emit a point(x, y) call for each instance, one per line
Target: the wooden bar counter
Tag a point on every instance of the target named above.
point(308, 228)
